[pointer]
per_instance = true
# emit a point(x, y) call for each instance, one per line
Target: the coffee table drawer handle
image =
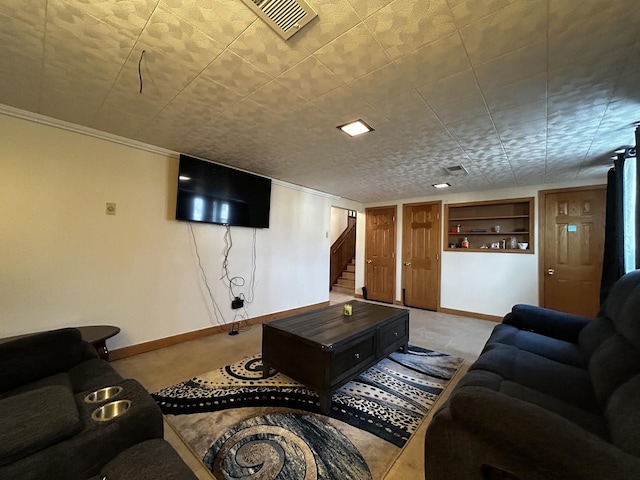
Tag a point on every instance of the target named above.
point(395, 334)
point(357, 355)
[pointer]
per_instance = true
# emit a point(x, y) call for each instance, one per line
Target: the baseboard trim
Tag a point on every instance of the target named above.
point(144, 347)
point(463, 313)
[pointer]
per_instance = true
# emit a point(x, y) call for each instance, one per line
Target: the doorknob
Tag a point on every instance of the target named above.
point(551, 271)
point(368, 261)
point(407, 263)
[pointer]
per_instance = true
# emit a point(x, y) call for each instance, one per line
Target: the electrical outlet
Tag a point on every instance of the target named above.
point(237, 303)
point(110, 209)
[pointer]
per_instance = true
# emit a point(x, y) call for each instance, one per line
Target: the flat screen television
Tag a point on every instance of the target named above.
point(213, 193)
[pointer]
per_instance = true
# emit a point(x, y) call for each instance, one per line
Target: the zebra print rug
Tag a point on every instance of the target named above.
point(242, 425)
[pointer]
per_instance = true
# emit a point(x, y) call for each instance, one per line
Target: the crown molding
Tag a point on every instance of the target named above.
point(109, 137)
point(91, 132)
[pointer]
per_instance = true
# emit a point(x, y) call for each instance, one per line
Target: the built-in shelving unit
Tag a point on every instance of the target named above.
point(492, 226)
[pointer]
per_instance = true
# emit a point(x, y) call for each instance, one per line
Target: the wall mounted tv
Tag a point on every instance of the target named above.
point(212, 193)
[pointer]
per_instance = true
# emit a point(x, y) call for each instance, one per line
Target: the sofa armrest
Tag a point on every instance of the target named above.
point(540, 439)
point(547, 322)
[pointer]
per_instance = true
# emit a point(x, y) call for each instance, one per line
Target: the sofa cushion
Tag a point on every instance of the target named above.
point(148, 460)
point(592, 336)
point(620, 293)
point(36, 419)
point(623, 415)
point(565, 382)
point(61, 379)
point(93, 374)
point(627, 321)
point(552, 348)
point(37, 356)
point(588, 420)
point(612, 364)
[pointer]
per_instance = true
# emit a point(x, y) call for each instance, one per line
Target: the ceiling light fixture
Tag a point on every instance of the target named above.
point(357, 127)
point(441, 185)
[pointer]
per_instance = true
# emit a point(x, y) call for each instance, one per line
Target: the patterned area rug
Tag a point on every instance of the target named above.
point(244, 426)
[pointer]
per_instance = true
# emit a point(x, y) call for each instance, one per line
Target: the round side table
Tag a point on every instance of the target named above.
point(97, 335)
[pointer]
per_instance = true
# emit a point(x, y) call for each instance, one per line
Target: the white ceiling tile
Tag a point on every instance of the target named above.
point(573, 26)
point(468, 11)
point(20, 84)
point(468, 108)
point(310, 78)
point(364, 8)
point(220, 19)
point(21, 56)
point(75, 107)
point(532, 115)
point(515, 26)
point(334, 18)
point(236, 73)
point(460, 86)
point(529, 92)
point(403, 26)
point(345, 105)
point(179, 42)
point(277, 98)
point(128, 15)
point(353, 54)
point(204, 98)
point(265, 49)
point(437, 60)
point(117, 122)
point(382, 83)
point(513, 67)
point(30, 12)
point(83, 48)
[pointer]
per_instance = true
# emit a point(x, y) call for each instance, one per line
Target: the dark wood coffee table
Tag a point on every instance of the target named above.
point(324, 349)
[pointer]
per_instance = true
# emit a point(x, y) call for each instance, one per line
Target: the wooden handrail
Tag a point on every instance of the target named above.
point(342, 251)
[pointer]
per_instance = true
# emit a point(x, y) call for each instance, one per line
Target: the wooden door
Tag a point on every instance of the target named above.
point(421, 255)
point(380, 255)
point(572, 231)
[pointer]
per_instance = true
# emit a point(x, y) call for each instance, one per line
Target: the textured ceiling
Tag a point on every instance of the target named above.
point(520, 92)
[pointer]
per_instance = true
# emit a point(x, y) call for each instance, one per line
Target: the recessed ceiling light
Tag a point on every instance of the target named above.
point(357, 127)
point(441, 185)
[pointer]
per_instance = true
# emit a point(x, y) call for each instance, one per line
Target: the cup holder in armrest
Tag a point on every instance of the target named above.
point(110, 410)
point(102, 394)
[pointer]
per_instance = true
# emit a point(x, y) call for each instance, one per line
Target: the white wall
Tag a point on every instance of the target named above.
point(487, 283)
point(339, 222)
point(63, 262)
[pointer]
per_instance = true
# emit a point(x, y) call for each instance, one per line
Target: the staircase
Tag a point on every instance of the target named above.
point(346, 282)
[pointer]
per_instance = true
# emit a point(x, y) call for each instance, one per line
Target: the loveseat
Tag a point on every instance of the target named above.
point(552, 396)
point(48, 428)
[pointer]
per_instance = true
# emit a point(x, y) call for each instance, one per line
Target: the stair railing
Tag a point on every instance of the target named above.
point(342, 251)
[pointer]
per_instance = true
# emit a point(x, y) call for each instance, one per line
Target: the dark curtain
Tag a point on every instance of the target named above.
point(613, 261)
point(637, 199)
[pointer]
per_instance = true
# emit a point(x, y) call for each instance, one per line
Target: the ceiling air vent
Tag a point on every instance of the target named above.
point(286, 17)
point(456, 170)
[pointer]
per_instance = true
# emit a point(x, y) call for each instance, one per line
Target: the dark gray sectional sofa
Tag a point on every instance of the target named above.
point(46, 425)
point(552, 396)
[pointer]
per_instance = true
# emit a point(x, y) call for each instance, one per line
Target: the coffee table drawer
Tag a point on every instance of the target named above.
point(394, 335)
point(351, 356)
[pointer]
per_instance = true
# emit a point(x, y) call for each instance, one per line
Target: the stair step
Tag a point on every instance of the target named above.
point(343, 289)
point(351, 267)
point(346, 282)
point(348, 275)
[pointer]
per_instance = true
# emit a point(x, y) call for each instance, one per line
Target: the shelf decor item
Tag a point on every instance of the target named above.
point(500, 225)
